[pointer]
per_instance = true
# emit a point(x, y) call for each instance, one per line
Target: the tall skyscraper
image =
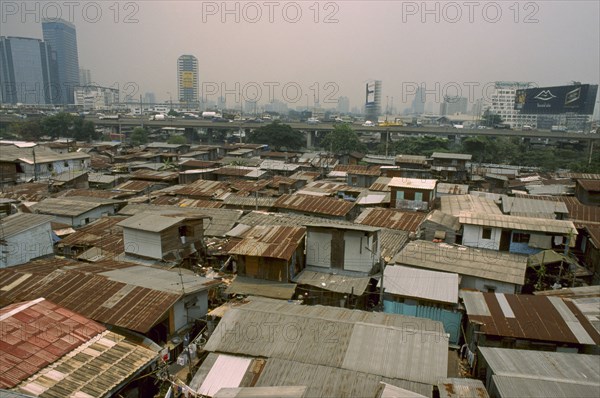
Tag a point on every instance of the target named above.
point(418, 104)
point(187, 79)
point(85, 77)
point(373, 101)
point(61, 38)
point(25, 72)
point(343, 105)
point(453, 105)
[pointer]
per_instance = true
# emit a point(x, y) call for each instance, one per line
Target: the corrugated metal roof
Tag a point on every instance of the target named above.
point(358, 169)
point(572, 292)
point(447, 155)
point(459, 204)
point(326, 381)
point(150, 222)
point(452, 189)
point(391, 218)
point(481, 263)
point(515, 386)
point(203, 189)
point(102, 233)
point(34, 334)
point(274, 241)
point(95, 369)
point(180, 281)
point(221, 220)
point(152, 175)
point(341, 343)
point(71, 206)
point(589, 185)
point(65, 283)
point(260, 287)
point(421, 284)
point(531, 317)
point(317, 205)
point(390, 391)
point(249, 201)
point(225, 371)
point(373, 198)
point(519, 223)
point(262, 392)
point(532, 371)
point(20, 222)
point(381, 184)
point(392, 241)
point(447, 220)
point(414, 183)
point(333, 282)
point(462, 388)
point(515, 206)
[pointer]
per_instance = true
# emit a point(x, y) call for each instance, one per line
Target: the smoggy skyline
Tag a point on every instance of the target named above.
point(295, 51)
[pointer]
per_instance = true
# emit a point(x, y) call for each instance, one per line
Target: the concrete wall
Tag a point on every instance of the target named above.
point(483, 285)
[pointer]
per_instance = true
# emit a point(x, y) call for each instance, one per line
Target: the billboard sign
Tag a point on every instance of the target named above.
point(579, 99)
point(187, 79)
point(370, 93)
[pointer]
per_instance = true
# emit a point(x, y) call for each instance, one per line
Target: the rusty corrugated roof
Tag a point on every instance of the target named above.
point(36, 333)
point(314, 204)
point(532, 317)
point(270, 241)
point(391, 218)
point(91, 295)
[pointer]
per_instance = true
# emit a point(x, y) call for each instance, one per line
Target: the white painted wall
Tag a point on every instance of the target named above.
point(358, 254)
point(142, 243)
point(58, 167)
point(472, 237)
point(318, 249)
point(27, 245)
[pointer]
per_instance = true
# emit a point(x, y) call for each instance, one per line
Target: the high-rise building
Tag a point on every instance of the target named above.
point(61, 38)
point(418, 104)
point(373, 101)
point(343, 105)
point(149, 98)
point(85, 77)
point(502, 102)
point(187, 79)
point(453, 105)
point(25, 71)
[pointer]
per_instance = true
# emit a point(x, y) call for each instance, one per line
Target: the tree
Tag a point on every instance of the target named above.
point(59, 125)
point(177, 140)
point(490, 119)
point(277, 135)
point(139, 136)
point(84, 130)
point(30, 130)
point(343, 139)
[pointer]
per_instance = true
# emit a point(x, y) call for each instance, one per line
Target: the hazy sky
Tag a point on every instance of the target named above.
point(307, 45)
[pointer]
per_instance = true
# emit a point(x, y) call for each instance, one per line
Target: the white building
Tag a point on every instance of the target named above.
point(95, 98)
point(24, 237)
point(501, 102)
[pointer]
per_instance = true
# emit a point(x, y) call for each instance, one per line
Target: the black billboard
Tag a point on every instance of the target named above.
point(579, 99)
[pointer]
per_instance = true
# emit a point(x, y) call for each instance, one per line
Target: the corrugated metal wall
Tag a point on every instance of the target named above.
point(450, 319)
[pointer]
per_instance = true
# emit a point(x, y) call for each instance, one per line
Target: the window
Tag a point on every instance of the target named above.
point(419, 196)
point(519, 237)
point(399, 195)
point(66, 164)
point(50, 167)
point(486, 233)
